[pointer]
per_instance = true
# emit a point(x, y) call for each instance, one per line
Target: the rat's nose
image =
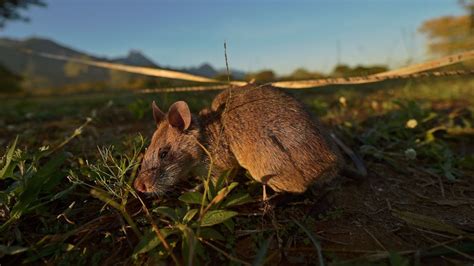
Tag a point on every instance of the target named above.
point(140, 184)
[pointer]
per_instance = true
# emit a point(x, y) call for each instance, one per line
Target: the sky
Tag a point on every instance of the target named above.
point(260, 34)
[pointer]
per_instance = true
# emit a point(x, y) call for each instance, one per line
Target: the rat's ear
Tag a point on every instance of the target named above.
point(179, 115)
point(158, 115)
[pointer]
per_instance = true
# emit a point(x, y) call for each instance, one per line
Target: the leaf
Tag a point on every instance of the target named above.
point(228, 189)
point(214, 217)
point(209, 233)
point(35, 184)
point(190, 215)
point(150, 240)
point(215, 185)
point(427, 222)
point(8, 159)
point(168, 212)
point(237, 199)
point(262, 253)
point(188, 246)
point(220, 181)
point(222, 194)
point(192, 198)
point(63, 192)
point(230, 225)
point(11, 250)
point(211, 190)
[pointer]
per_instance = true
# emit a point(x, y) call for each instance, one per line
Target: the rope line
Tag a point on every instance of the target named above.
point(318, 83)
point(185, 89)
point(306, 84)
point(148, 71)
point(413, 71)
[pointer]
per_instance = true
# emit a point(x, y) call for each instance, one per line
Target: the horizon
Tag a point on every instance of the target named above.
point(183, 34)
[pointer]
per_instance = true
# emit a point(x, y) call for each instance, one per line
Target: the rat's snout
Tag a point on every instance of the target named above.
point(144, 183)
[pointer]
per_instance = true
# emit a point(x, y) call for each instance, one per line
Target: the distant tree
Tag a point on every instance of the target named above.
point(9, 82)
point(469, 5)
point(359, 70)
point(341, 70)
point(301, 74)
point(9, 9)
point(451, 34)
point(263, 76)
point(368, 70)
point(223, 77)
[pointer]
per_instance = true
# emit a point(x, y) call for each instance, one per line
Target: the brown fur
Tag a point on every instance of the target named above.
point(261, 129)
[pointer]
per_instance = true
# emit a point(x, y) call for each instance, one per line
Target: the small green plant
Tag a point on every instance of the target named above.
point(32, 180)
point(139, 108)
point(410, 134)
point(203, 217)
point(198, 219)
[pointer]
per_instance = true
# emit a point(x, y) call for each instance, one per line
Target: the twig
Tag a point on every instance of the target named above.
point(375, 239)
point(441, 185)
point(435, 233)
point(386, 254)
point(226, 62)
point(450, 248)
point(223, 252)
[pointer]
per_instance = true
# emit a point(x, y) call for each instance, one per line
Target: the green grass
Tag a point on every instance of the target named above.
point(68, 164)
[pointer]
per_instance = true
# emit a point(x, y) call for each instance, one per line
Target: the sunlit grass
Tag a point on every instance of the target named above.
point(72, 201)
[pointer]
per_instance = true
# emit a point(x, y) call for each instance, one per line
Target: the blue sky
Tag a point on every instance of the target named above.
point(281, 35)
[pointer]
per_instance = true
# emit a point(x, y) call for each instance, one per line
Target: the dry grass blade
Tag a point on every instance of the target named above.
point(381, 255)
point(375, 239)
point(451, 248)
point(313, 239)
point(427, 222)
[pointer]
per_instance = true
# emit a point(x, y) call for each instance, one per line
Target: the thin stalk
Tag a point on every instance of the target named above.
point(105, 198)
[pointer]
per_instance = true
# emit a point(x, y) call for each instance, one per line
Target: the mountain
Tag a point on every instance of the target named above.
point(203, 70)
point(41, 73)
point(236, 74)
point(208, 71)
point(135, 58)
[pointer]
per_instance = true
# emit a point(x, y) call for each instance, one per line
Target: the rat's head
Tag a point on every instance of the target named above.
point(173, 150)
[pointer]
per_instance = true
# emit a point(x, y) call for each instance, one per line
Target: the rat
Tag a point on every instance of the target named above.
point(259, 128)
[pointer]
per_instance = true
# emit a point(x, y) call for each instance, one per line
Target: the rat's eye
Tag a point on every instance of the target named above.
point(163, 153)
